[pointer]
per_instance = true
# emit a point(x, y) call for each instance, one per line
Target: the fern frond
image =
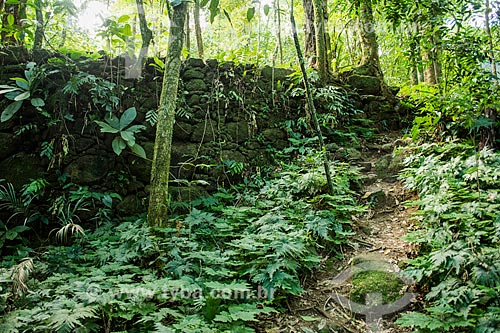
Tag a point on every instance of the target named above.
point(66, 320)
point(67, 230)
point(20, 276)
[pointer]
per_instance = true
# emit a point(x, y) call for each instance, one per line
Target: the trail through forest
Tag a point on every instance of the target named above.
point(327, 304)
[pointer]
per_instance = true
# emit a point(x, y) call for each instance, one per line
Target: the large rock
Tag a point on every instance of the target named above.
point(238, 132)
point(89, 168)
point(195, 62)
point(279, 73)
point(232, 155)
point(182, 131)
point(7, 145)
point(365, 85)
point(183, 152)
point(193, 73)
point(196, 85)
point(20, 168)
point(131, 205)
point(273, 134)
point(204, 131)
point(186, 194)
point(141, 168)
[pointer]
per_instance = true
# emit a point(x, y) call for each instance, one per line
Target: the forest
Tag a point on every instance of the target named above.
point(234, 166)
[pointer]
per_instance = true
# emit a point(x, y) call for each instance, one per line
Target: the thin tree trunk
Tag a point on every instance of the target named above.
point(310, 101)
point(278, 17)
point(39, 31)
point(429, 56)
point(320, 19)
point(197, 28)
point(146, 36)
point(413, 75)
point(188, 35)
point(159, 198)
point(413, 59)
point(429, 71)
point(438, 70)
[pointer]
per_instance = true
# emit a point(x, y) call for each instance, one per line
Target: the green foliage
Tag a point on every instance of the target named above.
point(233, 257)
point(460, 235)
point(19, 206)
point(126, 134)
point(11, 234)
point(455, 112)
point(104, 94)
point(337, 114)
point(233, 167)
point(26, 88)
point(117, 32)
point(152, 117)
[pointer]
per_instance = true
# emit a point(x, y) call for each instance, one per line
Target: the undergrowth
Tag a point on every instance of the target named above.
point(236, 255)
point(459, 234)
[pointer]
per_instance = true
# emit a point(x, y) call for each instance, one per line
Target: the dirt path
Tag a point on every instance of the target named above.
point(326, 304)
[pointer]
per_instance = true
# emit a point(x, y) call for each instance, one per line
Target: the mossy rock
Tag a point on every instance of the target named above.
point(367, 283)
point(366, 85)
point(20, 168)
point(193, 74)
point(196, 85)
point(279, 73)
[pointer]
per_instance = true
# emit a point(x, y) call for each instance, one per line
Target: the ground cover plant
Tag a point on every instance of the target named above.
point(459, 234)
point(234, 256)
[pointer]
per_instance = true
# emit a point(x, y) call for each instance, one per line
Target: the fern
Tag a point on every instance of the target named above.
point(152, 117)
point(69, 315)
point(458, 213)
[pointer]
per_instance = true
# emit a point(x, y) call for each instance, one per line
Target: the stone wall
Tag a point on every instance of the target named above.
point(227, 114)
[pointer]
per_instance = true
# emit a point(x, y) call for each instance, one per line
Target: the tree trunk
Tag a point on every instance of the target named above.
point(309, 31)
point(146, 36)
point(187, 33)
point(39, 31)
point(310, 102)
point(487, 133)
point(159, 198)
point(413, 59)
point(430, 70)
point(320, 19)
point(278, 19)
point(197, 28)
point(369, 44)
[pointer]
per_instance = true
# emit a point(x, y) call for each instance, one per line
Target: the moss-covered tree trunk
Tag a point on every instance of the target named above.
point(187, 35)
point(320, 19)
point(197, 28)
point(159, 199)
point(369, 44)
point(39, 31)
